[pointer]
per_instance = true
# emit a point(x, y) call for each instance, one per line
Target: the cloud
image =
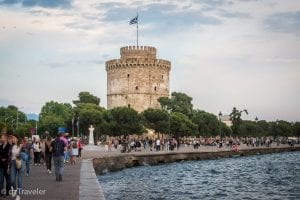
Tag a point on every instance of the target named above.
point(41, 3)
point(287, 22)
point(164, 17)
point(227, 14)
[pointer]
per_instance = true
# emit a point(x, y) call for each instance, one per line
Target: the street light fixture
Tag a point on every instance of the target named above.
point(220, 115)
point(256, 120)
point(169, 111)
point(18, 116)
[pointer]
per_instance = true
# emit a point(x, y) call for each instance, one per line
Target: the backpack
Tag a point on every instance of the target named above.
point(58, 147)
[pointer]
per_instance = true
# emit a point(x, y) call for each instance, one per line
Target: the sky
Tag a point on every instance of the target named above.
point(224, 53)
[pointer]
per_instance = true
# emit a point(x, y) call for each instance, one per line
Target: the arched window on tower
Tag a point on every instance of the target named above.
point(128, 75)
point(155, 88)
point(128, 105)
point(162, 76)
point(136, 87)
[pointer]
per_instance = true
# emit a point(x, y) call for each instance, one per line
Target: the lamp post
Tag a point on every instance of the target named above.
point(256, 120)
point(12, 123)
point(18, 116)
point(220, 115)
point(73, 126)
point(169, 111)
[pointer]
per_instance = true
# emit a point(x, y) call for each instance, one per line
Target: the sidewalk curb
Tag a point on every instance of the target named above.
point(89, 187)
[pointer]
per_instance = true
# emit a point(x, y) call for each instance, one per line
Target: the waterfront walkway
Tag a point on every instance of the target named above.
point(79, 180)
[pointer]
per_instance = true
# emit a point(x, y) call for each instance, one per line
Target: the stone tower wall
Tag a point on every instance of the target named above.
point(137, 79)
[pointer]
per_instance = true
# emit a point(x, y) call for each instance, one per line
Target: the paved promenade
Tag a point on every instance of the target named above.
point(79, 180)
point(48, 187)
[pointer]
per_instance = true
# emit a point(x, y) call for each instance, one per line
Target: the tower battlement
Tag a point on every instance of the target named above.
point(137, 79)
point(138, 51)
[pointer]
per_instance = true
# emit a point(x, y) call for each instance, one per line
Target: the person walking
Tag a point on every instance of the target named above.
point(79, 146)
point(17, 166)
point(29, 151)
point(73, 152)
point(48, 153)
point(4, 151)
point(37, 151)
point(58, 149)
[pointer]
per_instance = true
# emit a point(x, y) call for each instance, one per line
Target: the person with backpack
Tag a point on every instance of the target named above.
point(58, 149)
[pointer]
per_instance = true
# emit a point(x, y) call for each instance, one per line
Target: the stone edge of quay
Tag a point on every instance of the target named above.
point(89, 186)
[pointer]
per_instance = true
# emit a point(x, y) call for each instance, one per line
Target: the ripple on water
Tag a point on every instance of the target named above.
point(273, 176)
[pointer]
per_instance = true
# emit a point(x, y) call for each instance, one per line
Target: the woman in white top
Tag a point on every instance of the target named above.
point(73, 151)
point(37, 149)
point(16, 173)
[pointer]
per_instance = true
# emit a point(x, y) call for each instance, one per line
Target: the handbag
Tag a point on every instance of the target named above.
point(18, 163)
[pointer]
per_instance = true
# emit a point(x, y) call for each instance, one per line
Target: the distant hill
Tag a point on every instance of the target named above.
point(32, 116)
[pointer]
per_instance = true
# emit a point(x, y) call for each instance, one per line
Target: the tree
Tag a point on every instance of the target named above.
point(156, 119)
point(181, 125)
point(208, 124)
point(164, 102)
point(225, 130)
point(179, 102)
point(124, 121)
point(296, 129)
point(11, 116)
point(86, 97)
point(89, 114)
point(247, 128)
point(262, 128)
point(54, 115)
point(235, 117)
point(284, 128)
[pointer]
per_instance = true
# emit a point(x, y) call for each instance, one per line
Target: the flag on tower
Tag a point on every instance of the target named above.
point(134, 20)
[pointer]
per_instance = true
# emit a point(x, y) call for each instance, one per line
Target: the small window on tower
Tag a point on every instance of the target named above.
point(162, 76)
point(128, 75)
point(136, 87)
point(128, 105)
point(155, 88)
point(125, 97)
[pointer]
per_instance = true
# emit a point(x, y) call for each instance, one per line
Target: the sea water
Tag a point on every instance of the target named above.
point(270, 176)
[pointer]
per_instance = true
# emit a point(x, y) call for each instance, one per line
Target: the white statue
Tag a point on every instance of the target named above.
point(91, 135)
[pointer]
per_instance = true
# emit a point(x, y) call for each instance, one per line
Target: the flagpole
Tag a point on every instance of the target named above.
point(137, 30)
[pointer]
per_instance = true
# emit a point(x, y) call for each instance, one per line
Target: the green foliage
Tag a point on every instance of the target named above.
point(89, 114)
point(164, 102)
point(10, 116)
point(124, 121)
point(86, 97)
point(54, 115)
point(235, 117)
point(156, 119)
point(284, 128)
point(296, 129)
point(179, 102)
point(181, 125)
point(208, 124)
point(247, 128)
point(225, 130)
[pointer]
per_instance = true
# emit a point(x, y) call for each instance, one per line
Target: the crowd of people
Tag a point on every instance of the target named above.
point(170, 144)
point(17, 155)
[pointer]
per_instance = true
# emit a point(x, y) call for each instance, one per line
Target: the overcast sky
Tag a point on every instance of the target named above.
point(224, 53)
